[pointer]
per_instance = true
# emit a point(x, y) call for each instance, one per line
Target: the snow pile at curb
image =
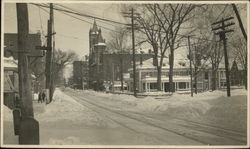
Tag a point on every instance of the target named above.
point(173, 106)
point(71, 140)
point(7, 114)
point(214, 107)
point(230, 112)
point(65, 108)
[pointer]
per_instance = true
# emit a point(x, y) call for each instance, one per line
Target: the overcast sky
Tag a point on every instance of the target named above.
point(71, 33)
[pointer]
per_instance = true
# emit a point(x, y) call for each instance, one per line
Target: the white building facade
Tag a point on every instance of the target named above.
point(146, 76)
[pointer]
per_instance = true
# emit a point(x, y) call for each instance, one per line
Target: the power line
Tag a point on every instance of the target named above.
point(80, 19)
point(72, 37)
point(81, 14)
point(66, 12)
point(87, 21)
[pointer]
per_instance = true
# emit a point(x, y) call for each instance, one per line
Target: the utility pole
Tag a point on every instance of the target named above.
point(29, 127)
point(49, 54)
point(113, 77)
point(195, 69)
point(240, 22)
point(121, 72)
point(23, 63)
point(190, 63)
point(131, 15)
point(133, 46)
point(222, 34)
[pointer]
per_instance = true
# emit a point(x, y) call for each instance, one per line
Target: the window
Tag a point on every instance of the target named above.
point(222, 74)
point(153, 85)
point(182, 85)
point(223, 84)
point(206, 75)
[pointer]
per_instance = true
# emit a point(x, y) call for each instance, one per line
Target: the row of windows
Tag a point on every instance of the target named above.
point(181, 85)
point(175, 73)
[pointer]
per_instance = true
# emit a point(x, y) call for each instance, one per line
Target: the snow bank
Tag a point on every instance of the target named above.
point(35, 96)
point(177, 104)
point(10, 62)
point(8, 127)
point(7, 114)
point(228, 111)
point(71, 140)
point(65, 108)
point(214, 107)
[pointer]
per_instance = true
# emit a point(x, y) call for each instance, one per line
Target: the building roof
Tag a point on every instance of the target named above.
point(9, 62)
point(181, 64)
point(178, 63)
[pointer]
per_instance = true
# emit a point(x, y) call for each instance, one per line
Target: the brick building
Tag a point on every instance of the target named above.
point(106, 68)
point(36, 57)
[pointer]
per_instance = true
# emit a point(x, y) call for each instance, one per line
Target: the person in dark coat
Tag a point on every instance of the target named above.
point(43, 96)
point(39, 97)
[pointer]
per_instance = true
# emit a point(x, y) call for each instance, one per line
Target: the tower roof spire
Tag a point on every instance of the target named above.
point(94, 29)
point(100, 38)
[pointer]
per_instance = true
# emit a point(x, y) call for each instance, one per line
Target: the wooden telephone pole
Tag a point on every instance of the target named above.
point(131, 15)
point(29, 127)
point(23, 64)
point(48, 69)
point(222, 34)
point(190, 63)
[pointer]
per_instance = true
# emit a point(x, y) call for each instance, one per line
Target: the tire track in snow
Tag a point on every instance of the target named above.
point(217, 131)
point(112, 119)
point(199, 133)
point(141, 121)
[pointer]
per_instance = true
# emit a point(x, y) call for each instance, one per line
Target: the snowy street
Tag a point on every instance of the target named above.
point(166, 130)
point(80, 117)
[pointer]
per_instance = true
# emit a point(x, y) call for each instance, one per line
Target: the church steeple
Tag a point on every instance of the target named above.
point(95, 28)
point(100, 38)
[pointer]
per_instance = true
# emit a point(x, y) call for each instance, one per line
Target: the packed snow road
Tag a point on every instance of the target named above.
point(159, 129)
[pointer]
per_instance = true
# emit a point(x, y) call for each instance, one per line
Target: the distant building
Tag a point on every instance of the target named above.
point(105, 68)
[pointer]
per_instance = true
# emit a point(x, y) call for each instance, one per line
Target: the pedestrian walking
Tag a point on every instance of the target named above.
point(43, 96)
point(39, 97)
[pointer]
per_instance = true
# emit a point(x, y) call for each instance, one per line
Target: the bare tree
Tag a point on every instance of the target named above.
point(215, 57)
point(240, 52)
point(171, 17)
point(60, 60)
point(154, 36)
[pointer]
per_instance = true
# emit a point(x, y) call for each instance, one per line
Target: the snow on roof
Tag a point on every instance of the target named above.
point(178, 63)
point(9, 62)
point(100, 44)
point(33, 76)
